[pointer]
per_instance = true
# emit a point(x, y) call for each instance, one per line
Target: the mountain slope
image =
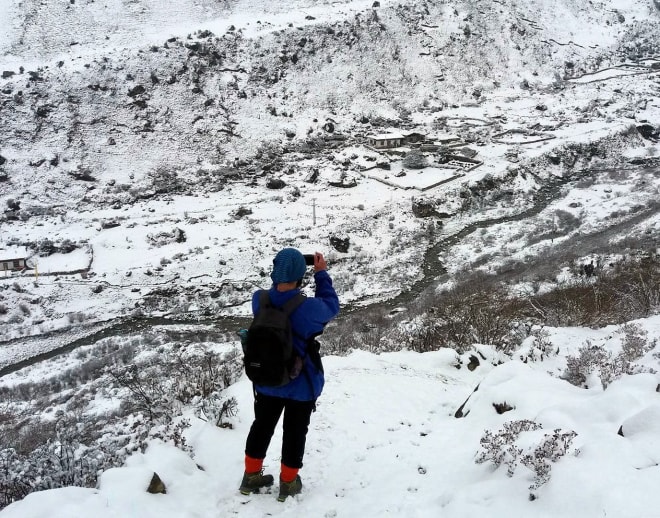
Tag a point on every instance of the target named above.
point(384, 441)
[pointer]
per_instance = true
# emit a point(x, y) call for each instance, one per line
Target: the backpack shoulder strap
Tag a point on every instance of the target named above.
point(264, 299)
point(291, 304)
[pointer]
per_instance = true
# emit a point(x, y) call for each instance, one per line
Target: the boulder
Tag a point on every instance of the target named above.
point(275, 183)
point(179, 235)
point(423, 209)
point(136, 90)
point(241, 212)
point(156, 486)
point(649, 132)
point(313, 176)
point(647, 421)
point(341, 244)
point(501, 408)
point(82, 174)
point(109, 224)
point(344, 182)
point(473, 363)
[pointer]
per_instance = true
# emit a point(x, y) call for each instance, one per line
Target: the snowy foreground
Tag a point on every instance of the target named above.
point(385, 442)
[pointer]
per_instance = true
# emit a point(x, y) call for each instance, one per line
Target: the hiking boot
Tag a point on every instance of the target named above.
point(289, 488)
point(253, 482)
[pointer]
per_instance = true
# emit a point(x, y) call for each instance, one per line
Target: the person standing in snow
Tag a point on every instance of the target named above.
point(297, 399)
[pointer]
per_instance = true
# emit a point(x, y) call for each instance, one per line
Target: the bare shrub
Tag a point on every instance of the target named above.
point(590, 357)
point(501, 448)
point(577, 305)
point(609, 367)
point(635, 342)
point(161, 387)
point(41, 454)
point(636, 284)
point(540, 348)
point(475, 311)
point(64, 460)
point(217, 410)
point(566, 221)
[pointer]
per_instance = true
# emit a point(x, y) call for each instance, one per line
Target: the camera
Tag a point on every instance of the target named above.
point(309, 259)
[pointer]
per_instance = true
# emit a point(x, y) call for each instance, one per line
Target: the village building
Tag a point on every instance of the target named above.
point(395, 139)
point(385, 140)
point(17, 264)
point(413, 137)
point(449, 140)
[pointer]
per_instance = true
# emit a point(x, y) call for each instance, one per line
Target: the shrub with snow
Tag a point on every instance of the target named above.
point(502, 448)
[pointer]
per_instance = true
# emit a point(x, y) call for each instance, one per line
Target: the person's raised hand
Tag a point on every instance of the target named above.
point(319, 262)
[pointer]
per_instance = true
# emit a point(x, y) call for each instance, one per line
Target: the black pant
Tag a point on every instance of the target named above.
point(267, 412)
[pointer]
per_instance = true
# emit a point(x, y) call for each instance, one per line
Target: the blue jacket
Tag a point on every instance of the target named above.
point(307, 320)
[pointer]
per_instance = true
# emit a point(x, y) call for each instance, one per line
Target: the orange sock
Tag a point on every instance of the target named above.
point(288, 474)
point(253, 465)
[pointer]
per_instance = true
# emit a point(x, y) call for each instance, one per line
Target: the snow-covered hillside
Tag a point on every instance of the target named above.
point(156, 154)
point(385, 441)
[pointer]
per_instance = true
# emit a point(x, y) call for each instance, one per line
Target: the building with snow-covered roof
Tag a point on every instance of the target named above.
point(394, 138)
point(386, 140)
point(15, 264)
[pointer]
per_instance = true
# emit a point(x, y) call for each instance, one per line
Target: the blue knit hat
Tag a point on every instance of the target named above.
point(288, 266)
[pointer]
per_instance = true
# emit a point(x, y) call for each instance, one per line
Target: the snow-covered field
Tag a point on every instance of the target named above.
point(385, 441)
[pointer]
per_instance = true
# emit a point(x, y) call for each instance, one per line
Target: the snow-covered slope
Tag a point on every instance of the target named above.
point(385, 441)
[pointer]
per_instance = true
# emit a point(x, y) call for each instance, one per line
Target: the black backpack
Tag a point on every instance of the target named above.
point(270, 358)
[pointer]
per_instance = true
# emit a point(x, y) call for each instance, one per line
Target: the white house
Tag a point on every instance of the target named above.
point(395, 139)
point(386, 140)
point(13, 264)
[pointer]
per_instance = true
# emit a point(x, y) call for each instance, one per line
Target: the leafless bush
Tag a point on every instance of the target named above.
point(40, 454)
point(501, 448)
point(169, 381)
point(577, 305)
point(636, 284)
point(218, 411)
point(541, 347)
point(630, 290)
point(64, 460)
point(590, 357)
point(566, 221)
point(475, 311)
point(146, 392)
point(635, 342)
point(609, 367)
point(551, 448)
